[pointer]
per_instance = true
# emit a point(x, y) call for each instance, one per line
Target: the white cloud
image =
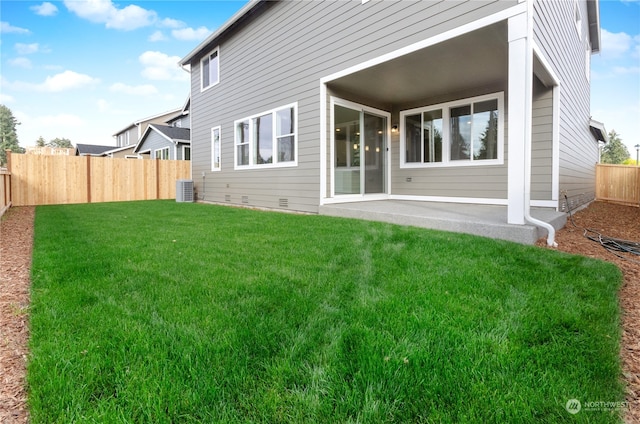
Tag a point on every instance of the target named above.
point(190, 34)
point(22, 48)
point(20, 62)
point(615, 45)
point(67, 80)
point(157, 36)
point(7, 28)
point(159, 66)
point(64, 81)
point(140, 90)
point(45, 9)
point(105, 12)
point(172, 23)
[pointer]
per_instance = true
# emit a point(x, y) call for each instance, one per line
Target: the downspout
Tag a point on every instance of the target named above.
point(527, 134)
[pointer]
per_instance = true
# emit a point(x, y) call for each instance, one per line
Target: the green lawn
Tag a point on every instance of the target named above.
point(163, 312)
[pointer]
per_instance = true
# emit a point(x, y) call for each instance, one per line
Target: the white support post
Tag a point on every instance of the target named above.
point(517, 114)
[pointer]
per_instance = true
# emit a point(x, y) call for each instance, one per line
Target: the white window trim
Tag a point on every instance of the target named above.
point(155, 153)
point(275, 164)
point(184, 148)
point(219, 167)
point(207, 56)
point(446, 161)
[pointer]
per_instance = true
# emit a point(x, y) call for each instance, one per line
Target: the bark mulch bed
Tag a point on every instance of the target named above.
point(16, 239)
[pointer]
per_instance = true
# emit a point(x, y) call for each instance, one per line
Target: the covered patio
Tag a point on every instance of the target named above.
point(482, 220)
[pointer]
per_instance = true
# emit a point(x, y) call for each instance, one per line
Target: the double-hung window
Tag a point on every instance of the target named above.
point(464, 132)
point(210, 68)
point(267, 139)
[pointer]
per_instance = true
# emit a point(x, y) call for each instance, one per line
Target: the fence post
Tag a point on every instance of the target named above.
point(88, 178)
point(10, 174)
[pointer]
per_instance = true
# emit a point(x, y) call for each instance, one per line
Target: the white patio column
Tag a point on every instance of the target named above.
point(517, 115)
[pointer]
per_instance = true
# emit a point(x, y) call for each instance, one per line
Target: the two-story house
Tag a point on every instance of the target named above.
point(304, 105)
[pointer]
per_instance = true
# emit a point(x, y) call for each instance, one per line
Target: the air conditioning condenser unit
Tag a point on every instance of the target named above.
point(184, 191)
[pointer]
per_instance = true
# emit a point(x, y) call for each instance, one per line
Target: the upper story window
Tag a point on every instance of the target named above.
point(123, 139)
point(460, 133)
point(267, 139)
point(210, 69)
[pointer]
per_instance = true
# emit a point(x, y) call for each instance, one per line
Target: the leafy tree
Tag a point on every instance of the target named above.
point(60, 142)
point(40, 142)
point(8, 135)
point(614, 152)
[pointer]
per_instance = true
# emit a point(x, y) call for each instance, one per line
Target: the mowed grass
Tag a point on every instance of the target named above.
point(158, 312)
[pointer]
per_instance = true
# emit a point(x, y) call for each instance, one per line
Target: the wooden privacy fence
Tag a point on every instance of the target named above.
point(50, 180)
point(618, 183)
point(5, 190)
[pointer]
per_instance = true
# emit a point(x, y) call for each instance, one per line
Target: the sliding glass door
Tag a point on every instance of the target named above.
point(359, 151)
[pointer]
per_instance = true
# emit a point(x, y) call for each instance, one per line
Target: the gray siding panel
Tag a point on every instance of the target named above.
point(541, 142)
point(565, 48)
point(278, 58)
point(155, 141)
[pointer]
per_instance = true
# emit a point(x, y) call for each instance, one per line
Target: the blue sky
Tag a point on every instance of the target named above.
point(83, 70)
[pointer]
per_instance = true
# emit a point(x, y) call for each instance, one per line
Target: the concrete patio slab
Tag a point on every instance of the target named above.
point(482, 220)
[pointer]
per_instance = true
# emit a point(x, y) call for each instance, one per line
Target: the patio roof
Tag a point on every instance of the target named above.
point(482, 220)
point(478, 59)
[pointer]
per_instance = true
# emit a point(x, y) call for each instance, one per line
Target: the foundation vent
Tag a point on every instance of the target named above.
point(283, 203)
point(227, 197)
point(245, 199)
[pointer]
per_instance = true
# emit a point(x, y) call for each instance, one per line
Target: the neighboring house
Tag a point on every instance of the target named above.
point(127, 139)
point(304, 104)
point(125, 152)
point(91, 150)
point(182, 118)
point(165, 142)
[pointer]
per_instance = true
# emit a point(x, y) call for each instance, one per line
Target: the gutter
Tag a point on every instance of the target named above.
point(528, 132)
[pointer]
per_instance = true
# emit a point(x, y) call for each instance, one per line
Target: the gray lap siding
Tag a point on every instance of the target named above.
point(279, 57)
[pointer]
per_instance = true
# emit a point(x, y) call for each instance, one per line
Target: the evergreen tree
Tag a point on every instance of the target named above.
point(41, 142)
point(8, 135)
point(614, 152)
